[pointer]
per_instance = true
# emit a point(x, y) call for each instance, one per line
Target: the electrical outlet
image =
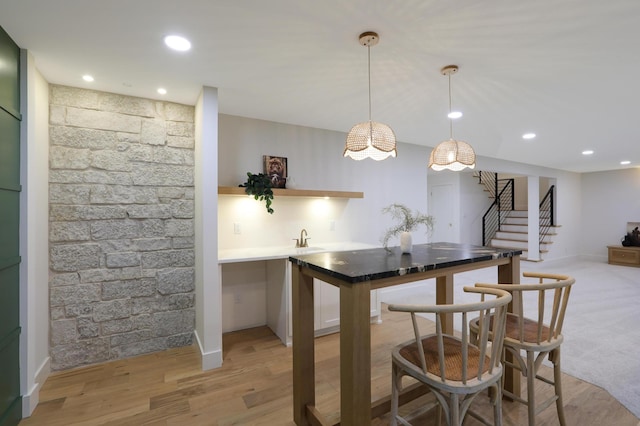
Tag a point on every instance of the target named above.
point(332, 225)
point(236, 228)
point(237, 299)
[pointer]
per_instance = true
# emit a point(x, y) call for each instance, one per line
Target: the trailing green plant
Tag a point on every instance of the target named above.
point(259, 186)
point(407, 222)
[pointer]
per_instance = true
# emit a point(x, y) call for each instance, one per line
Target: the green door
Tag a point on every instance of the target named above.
point(10, 399)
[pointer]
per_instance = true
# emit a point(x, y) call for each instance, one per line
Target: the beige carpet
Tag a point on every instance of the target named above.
point(602, 327)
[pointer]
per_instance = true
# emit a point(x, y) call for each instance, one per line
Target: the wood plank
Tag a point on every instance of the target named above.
point(280, 192)
point(222, 401)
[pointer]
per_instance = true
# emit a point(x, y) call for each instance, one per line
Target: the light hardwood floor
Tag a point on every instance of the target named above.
point(253, 387)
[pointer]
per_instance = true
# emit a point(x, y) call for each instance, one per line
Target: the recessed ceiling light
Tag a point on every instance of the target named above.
point(587, 152)
point(528, 136)
point(162, 91)
point(624, 163)
point(454, 114)
point(178, 43)
point(87, 78)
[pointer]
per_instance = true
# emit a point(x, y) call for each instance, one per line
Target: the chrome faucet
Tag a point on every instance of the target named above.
point(302, 242)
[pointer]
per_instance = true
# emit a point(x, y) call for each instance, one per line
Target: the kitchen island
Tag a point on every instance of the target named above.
point(357, 273)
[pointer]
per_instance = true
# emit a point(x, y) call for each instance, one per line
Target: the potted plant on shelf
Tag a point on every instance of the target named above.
point(407, 223)
point(259, 186)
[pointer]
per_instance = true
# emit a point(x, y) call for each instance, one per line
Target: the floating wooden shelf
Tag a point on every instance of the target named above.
point(279, 192)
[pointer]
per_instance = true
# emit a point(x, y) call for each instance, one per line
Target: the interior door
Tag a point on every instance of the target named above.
point(441, 208)
point(10, 399)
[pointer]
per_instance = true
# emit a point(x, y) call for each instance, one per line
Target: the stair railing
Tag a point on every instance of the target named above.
point(547, 219)
point(496, 213)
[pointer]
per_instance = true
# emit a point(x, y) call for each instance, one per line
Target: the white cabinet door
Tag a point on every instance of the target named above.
point(327, 307)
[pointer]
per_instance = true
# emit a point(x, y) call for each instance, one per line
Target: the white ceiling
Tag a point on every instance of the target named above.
point(567, 70)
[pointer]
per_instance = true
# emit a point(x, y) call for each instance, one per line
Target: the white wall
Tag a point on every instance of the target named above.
point(315, 160)
point(609, 200)
point(208, 295)
point(34, 206)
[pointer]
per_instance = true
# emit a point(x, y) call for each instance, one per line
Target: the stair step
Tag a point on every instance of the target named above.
point(517, 244)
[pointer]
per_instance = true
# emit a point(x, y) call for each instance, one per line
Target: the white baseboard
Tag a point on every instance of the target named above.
point(210, 360)
point(31, 398)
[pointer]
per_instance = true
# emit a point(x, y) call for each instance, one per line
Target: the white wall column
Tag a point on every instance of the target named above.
point(533, 185)
point(208, 287)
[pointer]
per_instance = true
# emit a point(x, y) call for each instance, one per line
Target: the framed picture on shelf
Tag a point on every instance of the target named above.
point(276, 169)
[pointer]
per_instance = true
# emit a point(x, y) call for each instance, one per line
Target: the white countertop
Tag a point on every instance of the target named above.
point(283, 252)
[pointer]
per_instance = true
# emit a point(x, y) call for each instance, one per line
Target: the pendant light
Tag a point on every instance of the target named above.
point(370, 139)
point(452, 154)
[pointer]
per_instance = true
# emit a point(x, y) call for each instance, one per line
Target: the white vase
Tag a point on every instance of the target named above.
point(406, 244)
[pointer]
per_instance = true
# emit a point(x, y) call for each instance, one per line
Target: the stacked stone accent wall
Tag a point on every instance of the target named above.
point(121, 238)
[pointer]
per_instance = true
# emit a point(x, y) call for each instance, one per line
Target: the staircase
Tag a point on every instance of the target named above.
point(505, 227)
point(513, 234)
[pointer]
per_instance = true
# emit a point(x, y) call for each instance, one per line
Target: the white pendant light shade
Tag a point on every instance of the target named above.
point(452, 155)
point(370, 139)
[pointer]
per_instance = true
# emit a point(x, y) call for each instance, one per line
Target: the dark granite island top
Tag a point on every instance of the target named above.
point(377, 263)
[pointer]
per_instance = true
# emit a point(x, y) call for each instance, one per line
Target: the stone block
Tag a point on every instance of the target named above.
point(69, 194)
point(82, 294)
point(143, 321)
point(128, 137)
point(111, 160)
point(57, 115)
point(69, 231)
point(183, 242)
point(83, 352)
point(74, 257)
point(61, 157)
point(56, 313)
point(176, 302)
point(131, 273)
point(63, 331)
point(154, 132)
point(97, 275)
point(121, 194)
point(179, 280)
point(152, 244)
point(144, 305)
point(172, 192)
point(103, 120)
point(180, 340)
point(108, 178)
point(146, 211)
point(71, 213)
point(190, 193)
point(115, 229)
point(110, 246)
point(126, 104)
point(81, 310)
point(114, 309)
point(173, 156)
point(117, 326)
point(66, 176)
point(142, 153)
point(174, 322)
point(73, 96)
point(58, 280)
point(87, 328)
point(143, 287)
point(167, 259)
point(179, 227)
point(77, 137)
point(177, 128)
point(178, 112)
point(183, 209)
point(152, 227)
point(122, 260)
point(130, 337)
point(139, 348)
point(181, 142)
point(151, 174)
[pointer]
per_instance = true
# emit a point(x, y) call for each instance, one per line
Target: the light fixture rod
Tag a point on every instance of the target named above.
point(448, 70)
point(369, 73)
